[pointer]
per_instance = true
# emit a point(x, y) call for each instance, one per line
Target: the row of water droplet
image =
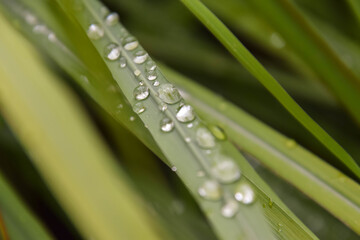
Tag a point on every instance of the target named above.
point(223, 169)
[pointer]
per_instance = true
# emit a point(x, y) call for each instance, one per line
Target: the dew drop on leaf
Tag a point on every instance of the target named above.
point(151, 75)
point(210, 190)
point(204, 138)
point(169, 94)
point(230, 209)
point(141, 92)
point(150, 66)
point(166, 124)
point(130, 43)
point(111, 19)
point(140, 57)
point(139, 108)
point(185, 114)
point(112, 51)
point(122, 62)
point(225, 169)
point(244, 193)
point(95, 32)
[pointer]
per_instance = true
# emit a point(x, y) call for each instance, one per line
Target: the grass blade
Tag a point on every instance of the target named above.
point(255, 67)
point(67, 151)
point(355, 6)
point(16, 221)
point(327, 186)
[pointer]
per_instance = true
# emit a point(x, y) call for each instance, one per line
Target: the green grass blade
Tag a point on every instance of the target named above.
point(331, 189)
point(18, 221)
point(65, 148)
point(276, 213)
point(255, 67)
point(355, 6)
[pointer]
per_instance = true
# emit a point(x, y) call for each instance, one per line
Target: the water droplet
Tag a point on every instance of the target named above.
point(187, 139)
point(156, 83)
point(122, 62)
point(140, 57)
point(141, 83)
point(210, 190)
point(218, 132)
point(112, 19)
point(30, 18)
point(169, 94)
point(166, 124)
point(190, 125)
point(41, 29)
point(244, 193)
point(162, 106)
point(173, 168)
point(185, 114)
point(137, 72)
point(290, 143)
point(204, 138)
point(52, 37)
point(132, 118)
point(151, 75)
point(200, 173)
point(130, 43)
point(225, 169)
point(141, 92)
point(112, 51)
point(150, 66)
point(230, 209)
point(95, 32)
point(139, 108)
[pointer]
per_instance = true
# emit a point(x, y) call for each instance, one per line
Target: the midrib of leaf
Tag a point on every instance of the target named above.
point(238, 50)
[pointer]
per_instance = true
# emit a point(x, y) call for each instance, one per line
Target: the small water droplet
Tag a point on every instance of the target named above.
point(52, 37)
point(185, 114)
point(132, 118)
point(244, 193)
point(150, 66)
point(130, 43)
point(122, 62)
point(218, 132)
point(151, 75)
point(140, 57)
point(187, 139)
point(166, 124)
point(230, 209)
point(137, 72)
point(141, 83)
point(200, 173)
point(112, 51)
point(190, 125)
point(225, 169)
point(139, 108)
point(162, 106)
point(141, 93)
point(41, 29)
point(30, 18)
point(204, 138)
point(111, 19)
point(173, 168)
point(290, 143)
point(169, 94)
point(210, 190)
point(95, 31)
point(156, 83)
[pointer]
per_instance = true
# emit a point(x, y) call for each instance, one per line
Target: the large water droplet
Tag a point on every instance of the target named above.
point(112, 51)
point(151, 75)
point(244, 193)
point(225, 169)
point(185, 114)
point(166, 124)
point(204, 138)
point(169, 94)
point(140, 57)
point(141, 92)
point(139, 108)
point(150, 66)
point(95, 32)
point(130, 43)
point(112, 19)
point(122, 62)
point(230, 209)
point(210, 190)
